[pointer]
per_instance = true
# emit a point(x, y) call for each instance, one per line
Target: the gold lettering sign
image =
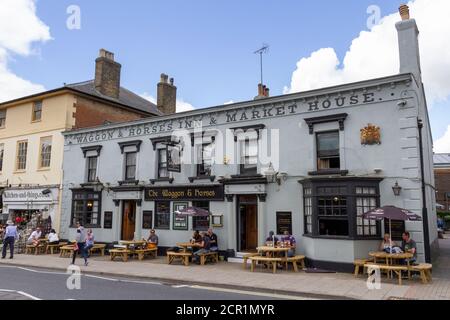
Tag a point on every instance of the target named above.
point(205, 193)
point(371, 135)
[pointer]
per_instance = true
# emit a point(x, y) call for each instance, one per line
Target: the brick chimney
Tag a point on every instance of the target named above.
point(107, 74)
point(408, 40)
point(263, 92)
point(167, 95)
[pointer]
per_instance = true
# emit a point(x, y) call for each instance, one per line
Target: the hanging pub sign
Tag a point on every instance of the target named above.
point(199, 193)
point(173, 158)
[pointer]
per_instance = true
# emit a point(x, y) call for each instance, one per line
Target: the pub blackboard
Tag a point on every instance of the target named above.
point(107, 221)
point(284, 222)
point(397, 227)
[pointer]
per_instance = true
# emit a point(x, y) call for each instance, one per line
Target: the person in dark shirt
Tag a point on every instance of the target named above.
point(205, 247)
point(196, 237)
point(213, 240)
point(272, 239)
point(410, 246)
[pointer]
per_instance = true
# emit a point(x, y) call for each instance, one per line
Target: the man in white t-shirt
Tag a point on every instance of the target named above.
point(34, 237)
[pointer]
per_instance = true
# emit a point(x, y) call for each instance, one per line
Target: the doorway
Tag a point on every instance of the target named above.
point(128, 220)
point(247, 223)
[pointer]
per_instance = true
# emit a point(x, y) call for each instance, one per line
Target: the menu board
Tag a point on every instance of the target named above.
point(284, 222)
point(180, 222)
point(107, 220)
point(397, 228)
point(147, 217)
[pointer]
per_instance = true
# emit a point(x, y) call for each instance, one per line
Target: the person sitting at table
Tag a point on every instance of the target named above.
point(205, 247)
point(409, 246)
point(272, 239)
point(34, 237)
point(53, 237)
point(196, 237)
point(152, 241)
point(387, 244)
point(289, 240)
point(213, 240)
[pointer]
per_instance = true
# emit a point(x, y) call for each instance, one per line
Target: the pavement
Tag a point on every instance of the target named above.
point(232, 276)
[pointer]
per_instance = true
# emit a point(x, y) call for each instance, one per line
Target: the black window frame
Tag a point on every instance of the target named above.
point(336, 155)
point(86, 199)
point(89, 176)
point(127, 165)
point(195, 220)
point(351, 197)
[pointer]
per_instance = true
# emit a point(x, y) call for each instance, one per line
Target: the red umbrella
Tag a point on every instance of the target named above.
point(391, 213)
point(193, 211)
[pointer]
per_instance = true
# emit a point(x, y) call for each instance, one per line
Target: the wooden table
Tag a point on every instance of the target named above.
point(186, 245)
point(132, 243)
point(271, 252)
point(391, 257)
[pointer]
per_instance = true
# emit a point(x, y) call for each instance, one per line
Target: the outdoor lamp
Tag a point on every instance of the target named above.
point(397, 189)
point(97, 185)
point(270, 174)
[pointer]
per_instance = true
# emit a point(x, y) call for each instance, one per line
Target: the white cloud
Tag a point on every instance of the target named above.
point(182, 105)
point(19, 29)
point(442, 145)
point(374, 53)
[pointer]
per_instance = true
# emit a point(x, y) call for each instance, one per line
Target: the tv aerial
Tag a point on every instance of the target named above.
point(263, 50)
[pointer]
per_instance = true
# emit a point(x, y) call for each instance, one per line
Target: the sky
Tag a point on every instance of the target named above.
point(208, 47)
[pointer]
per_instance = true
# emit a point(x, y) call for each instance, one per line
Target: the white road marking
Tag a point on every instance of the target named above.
point(21, 293)
point(181, 286)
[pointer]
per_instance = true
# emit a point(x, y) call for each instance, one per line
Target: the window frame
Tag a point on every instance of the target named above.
point(335, 156)
point(127, 165)
point(159, 152)
point(2, 156)
point(200, 204)
point(88, 168)
point(201, 172)
point(155, 220)
point(85, 200)
point(41, 154)
point(18, 155)
point(36, 111)
point(351, 197)
point(252, 171)
point(3, 118)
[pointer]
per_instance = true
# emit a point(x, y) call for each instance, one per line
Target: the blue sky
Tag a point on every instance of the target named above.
point(207, 46)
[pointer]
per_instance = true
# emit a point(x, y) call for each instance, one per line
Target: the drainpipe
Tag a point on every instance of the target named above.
point(426, 235)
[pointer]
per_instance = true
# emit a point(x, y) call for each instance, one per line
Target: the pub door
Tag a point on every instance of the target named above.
point(128, 220)
point(248, 223)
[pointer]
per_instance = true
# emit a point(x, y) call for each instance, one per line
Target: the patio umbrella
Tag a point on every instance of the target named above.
point(193, 211)
point(391, 213)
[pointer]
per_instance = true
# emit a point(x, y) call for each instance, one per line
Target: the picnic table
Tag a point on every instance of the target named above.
point(131, 248)
point(391, 262)
point(271, 255)
point(186, 245)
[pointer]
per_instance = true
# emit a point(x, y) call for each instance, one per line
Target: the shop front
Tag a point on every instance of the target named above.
point(32, 206)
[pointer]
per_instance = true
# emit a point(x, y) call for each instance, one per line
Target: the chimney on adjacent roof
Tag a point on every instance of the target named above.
point(107, 74)
point(408, 40)
point(263, 92)
point(167, 95)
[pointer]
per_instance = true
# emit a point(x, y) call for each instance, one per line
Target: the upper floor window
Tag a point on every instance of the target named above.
point(46, 152)
point(92, 168)
point(328, 156)
point(130, 165)
point(205, 156)
point(37, 111)
point(2, 150)
point(249, 157)
point(22, 148)
point(162, 164)
point(2, 118)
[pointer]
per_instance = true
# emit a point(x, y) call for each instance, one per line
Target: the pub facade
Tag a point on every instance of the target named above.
point(310, 163)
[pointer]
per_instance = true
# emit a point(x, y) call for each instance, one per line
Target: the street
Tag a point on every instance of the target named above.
point(42, 284)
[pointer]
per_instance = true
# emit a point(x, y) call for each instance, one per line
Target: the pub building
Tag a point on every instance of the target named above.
point(342, 151)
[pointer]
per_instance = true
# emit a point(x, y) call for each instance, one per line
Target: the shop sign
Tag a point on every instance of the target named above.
point(26, 196)
point(203, 193)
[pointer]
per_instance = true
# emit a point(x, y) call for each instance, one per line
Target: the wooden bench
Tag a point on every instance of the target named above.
point(32, 249)
point(396, 269)
point(100, 248)
point(54, 247)
point(297, 259)
point(141, 253)
point(214, 255)
point(425, 271)
point(359, 264)
point(248, 256)
point(122, 253)
point(266, 260)
point(65, 251)
point(183, 256)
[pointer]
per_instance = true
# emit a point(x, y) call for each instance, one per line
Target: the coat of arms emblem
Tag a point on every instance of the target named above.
point(370, 135)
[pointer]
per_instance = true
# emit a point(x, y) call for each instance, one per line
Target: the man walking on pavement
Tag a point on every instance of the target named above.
point(10, 236)
point(80, 239)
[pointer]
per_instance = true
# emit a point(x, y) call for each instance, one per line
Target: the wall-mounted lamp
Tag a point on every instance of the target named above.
point(272, 176)
point(397, 189)
point(97, 185)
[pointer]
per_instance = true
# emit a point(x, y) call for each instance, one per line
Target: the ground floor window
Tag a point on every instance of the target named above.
point(334, 207)
point(86, 208)
point(201, 223)
point(162, 215)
